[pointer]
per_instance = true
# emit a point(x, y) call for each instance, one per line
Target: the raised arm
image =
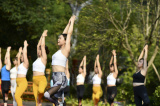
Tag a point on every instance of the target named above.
point(39, 44)
point(7, 57)
point(145, 57)
point(0, 60)
point(111, 61)
point(44, 55)
point(67, 70)
point(141, 55)
point(99, 66)
point(26, 62)
point(19, 55)
point(70, 30)
point(115, 64)
point(67, 27)
point(95, 63)
point(84, 66)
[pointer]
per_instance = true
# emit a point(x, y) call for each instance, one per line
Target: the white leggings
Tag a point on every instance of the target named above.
point(13, 90)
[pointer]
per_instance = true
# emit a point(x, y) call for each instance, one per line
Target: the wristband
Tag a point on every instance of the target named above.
point(114, 56)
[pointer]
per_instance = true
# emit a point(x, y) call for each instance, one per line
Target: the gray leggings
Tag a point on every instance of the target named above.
point(55, 92)
point(13, 90)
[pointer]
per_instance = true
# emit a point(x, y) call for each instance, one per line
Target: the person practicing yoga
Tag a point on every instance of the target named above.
point(97, 90)
point(111, 79)
point(39, 79)
point(140, 92)
point(59, 60)
point(80, 81)
point(5, 76)
point(21, 75)
point(13, 75)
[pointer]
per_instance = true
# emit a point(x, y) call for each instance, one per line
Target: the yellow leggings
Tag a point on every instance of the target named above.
point(97, 93)
point(39, 85)
point(20, 89)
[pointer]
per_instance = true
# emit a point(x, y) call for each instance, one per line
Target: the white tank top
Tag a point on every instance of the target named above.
point(22, 69)
point(13, 72)
point(59, 59)
point(38, 65)
point(96, 79)
point(80, 78)
point(111, 80)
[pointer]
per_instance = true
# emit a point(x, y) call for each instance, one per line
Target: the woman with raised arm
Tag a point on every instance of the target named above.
point(13, 75)
point(111, 79)
point(39, 79)
point(21, 75)
point(80, 81)
point(5, 76)
point(59, 60)
point(140, 92)
point(97, 90)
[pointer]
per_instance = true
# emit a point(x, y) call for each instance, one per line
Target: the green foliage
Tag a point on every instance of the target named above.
point(156, 96)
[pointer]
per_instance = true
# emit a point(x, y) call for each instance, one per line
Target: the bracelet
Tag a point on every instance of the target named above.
point(114, 56)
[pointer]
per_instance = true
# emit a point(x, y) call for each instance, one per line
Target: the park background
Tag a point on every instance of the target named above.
point(101, 26)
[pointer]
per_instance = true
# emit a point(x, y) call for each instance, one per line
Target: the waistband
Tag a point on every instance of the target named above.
point(139, 86)
point(39, 76)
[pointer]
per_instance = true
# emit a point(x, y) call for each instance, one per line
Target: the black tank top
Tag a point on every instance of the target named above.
point(138, 77)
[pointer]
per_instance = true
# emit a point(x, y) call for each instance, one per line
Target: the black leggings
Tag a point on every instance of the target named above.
point(80, 92)
point(111, 94)
point(5, 88)
point(140, 94)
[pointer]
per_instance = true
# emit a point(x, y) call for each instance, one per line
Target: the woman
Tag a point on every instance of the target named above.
point(39, 80)
point(111, 79)
point(13, 76)
point(80, 80)
point(140, 92)
point(59, 60)
point(5, 76)
point(21, 75)
point(97, 90)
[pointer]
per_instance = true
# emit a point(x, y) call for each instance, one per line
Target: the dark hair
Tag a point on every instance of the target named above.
point(46, 48)
point(143, 61)
point(64, 35)
point(16, 58)
point(112, 65)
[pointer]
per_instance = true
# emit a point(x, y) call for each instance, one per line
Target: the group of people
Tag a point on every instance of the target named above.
point(61, 78)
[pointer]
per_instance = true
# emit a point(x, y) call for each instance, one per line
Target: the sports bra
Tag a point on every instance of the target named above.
point(80, 78)
point(138, 77)
point(5, 74)
point(59, 59)
point(13, 72)
point(38, 65)
point(111, 80)
point(22, 69)
point(96, 79)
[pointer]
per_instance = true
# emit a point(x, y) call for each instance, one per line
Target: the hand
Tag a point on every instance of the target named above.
point(98, 56)
point(20, 49)
point(8, 48)
point(114, 52)
point(25, 43)
point(84, 57)
point(45, 33)
point(73, 18)
point(146, 47)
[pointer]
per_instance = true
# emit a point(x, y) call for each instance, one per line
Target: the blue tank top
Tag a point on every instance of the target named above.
point(5, 74)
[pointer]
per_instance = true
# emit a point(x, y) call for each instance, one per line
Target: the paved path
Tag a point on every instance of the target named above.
point(26, 103)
